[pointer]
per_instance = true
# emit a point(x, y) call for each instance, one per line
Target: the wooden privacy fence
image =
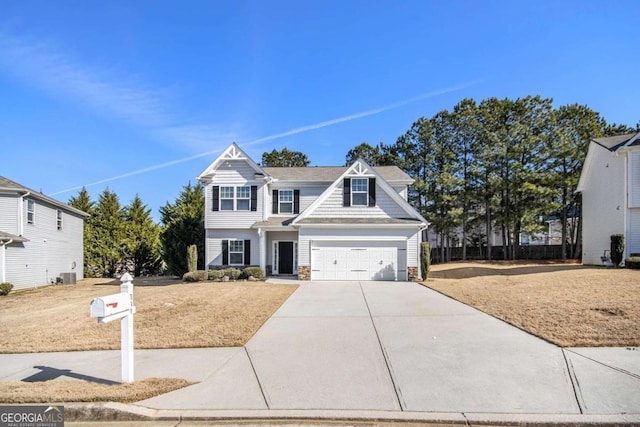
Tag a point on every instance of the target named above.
point(497, 253)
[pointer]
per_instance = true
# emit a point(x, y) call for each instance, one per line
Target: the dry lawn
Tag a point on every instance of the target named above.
point(169, 315)
point(568, 304)
point(16, 392)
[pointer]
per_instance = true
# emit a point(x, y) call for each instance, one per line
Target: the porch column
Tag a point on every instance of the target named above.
point(263, 249)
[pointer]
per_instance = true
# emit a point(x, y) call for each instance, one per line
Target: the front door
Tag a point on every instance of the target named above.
point(285, 257)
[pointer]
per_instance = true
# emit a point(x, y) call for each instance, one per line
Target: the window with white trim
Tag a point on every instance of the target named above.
point(359, 192)
point(285, 201)
point(227, 198)
point(59, 219)
point(236, 252)
point(31, 211)
point(243, 198)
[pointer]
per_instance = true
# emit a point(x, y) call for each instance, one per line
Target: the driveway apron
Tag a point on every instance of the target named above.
point(446, 356)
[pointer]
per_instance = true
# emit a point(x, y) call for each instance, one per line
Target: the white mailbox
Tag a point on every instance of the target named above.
point(111, 305)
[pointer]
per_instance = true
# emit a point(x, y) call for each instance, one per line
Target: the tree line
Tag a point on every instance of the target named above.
point(124, 239)
point(499, 165)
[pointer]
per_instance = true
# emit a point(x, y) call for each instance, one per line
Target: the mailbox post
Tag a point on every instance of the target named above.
point(119, 306)
point(126, 330)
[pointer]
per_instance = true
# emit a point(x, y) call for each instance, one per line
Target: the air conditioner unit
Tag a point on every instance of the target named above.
point(68, 278)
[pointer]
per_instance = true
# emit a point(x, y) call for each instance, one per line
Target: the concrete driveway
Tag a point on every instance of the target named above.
point(383, 348)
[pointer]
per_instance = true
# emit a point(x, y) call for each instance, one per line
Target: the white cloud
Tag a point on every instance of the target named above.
point(42, 65)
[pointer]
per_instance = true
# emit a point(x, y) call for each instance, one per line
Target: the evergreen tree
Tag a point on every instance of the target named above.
point(84, 203)
point(142, 239)
point(284, 158)
point(574, 127)
point(182, 226)
point(374, 156)
point(108, 245)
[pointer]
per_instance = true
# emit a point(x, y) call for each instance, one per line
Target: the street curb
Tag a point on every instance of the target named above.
point(111, 411)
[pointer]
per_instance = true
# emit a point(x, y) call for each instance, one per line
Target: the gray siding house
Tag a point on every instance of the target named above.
point(320, 223)
point(40, 237)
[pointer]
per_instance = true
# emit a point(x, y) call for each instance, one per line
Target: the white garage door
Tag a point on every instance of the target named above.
point(358, 261)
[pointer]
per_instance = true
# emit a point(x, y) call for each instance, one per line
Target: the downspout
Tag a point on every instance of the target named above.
point(2, 258)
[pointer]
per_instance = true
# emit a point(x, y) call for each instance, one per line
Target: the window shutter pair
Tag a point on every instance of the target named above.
point(225, 252)
point(346, 192)
point(275, 194)
point(216, 198)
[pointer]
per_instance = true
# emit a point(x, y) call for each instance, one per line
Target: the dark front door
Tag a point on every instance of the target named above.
point(285, 257)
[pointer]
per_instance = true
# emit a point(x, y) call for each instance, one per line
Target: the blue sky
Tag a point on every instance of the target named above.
point(90, 91)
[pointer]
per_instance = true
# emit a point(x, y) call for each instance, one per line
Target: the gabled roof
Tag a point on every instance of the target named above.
point(391, 174)
point(361, 168)
point(233, 152)
point(613, 143)
point(7, 185)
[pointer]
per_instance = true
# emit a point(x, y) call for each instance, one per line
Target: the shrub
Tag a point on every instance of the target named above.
point(617, 249)
point(256, 272)
point(5, 288)
point(633, 262)
point(195, 276)
point(233, 273)
point(192, 258)
point(425, 259)
point(215, 274)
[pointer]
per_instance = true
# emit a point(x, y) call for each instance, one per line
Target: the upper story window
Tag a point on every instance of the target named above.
point(31, 211)
point(59, 219)
point(359, 192)
point(243, 195)
point(285, 201)
point(227, 196)
point(235, 198)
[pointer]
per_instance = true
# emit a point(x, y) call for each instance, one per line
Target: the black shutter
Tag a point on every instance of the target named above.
point(296, 201)
point(254, 198)
point(274, 202)
point(372, 191)
point(225, 252)
point(247, 252)
point(216, 198)
point(346, 193)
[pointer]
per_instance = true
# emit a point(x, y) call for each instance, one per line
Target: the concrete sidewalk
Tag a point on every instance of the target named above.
point(390, 350)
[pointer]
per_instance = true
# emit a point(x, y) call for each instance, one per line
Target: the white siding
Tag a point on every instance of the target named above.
point(49, 251)
point(603, 203)
point(332, 207)
point(634, 179)
point(633, 239)
point(9, 204)
point(308, 234)
point(213, 244)
point(233, 173)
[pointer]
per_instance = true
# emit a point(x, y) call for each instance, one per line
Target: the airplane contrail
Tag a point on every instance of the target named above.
point(294, 131)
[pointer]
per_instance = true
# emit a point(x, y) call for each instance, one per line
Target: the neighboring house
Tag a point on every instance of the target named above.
point(610, 187)
point(321, 223)
point(40, 237)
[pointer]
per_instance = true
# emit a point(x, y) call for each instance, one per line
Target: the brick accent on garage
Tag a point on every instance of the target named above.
point(413, 274)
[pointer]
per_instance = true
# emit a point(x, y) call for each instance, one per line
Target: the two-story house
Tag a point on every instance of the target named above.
point(321, 223)
point(610, 187)
point(40, 237)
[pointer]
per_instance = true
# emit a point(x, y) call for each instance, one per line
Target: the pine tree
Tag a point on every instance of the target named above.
point(108, 246)
point(182, 226)
point(142, 239)
point(84, 203)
